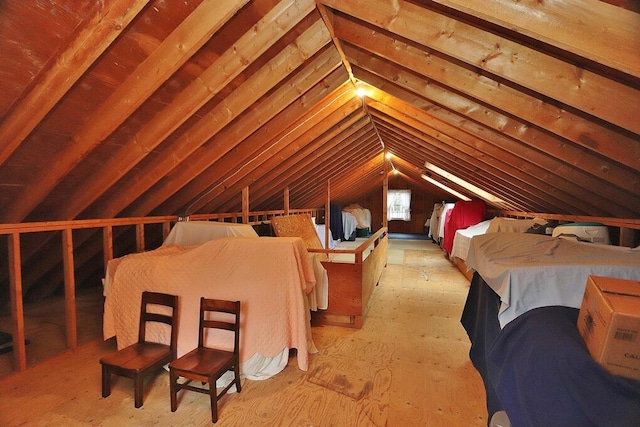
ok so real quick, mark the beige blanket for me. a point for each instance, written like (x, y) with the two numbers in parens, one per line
(270, 276)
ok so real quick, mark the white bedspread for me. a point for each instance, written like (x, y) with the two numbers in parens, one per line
(530, 270)
(270, 276)
(349, 224)
(320, 230)
(462, 239)
(188, 233)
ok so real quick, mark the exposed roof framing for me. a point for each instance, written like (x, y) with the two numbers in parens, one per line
(130, 108)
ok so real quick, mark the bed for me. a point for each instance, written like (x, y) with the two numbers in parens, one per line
(462, 238)
(520, 316)
(273, 288)
(351, 281)
(188, 233)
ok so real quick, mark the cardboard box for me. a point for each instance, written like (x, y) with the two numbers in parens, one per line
(609, 323)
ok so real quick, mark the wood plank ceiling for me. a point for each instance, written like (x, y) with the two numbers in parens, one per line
(137, 107)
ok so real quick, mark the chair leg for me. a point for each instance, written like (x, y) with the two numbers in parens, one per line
(236, 371)
(173, 380)
(213, 396)
(137, 390)
(106, 381)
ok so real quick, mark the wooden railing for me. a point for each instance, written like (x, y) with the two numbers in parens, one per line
(628, 235)
(358, 252)
(353, 283)
(14, 261)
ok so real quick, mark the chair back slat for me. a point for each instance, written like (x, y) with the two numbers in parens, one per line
(229, 323)
(217, 324)
(146, 316)
(157, 317)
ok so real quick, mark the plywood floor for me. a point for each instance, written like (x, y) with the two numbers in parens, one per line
(408, 366)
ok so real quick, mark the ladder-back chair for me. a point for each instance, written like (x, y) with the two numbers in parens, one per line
(206, 364)
(137, 359)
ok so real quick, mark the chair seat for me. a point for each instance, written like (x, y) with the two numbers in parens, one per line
(203, 361)
(138, 356)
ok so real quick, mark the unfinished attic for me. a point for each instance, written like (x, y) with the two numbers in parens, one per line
(145, 136)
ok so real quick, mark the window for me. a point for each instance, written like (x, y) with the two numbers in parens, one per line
(399, 205)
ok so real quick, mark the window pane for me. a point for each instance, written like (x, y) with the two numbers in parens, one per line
(399, 205)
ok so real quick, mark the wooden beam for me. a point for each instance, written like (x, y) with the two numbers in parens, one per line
(418, 120)
(327, 18)
(344, 134)
(354, 171)
(174, 51)
(95, 36)
(385, 191)
(258, 140)
(166, 229)
(339, 137)
(480, 90)
(248, 172)
(592, 29)
(236, 59)
(519, 64)
(573, 162)
(354, 152)
(287, 97)
(327, 216)
(565, 173)
(364, 178)
(467, 167)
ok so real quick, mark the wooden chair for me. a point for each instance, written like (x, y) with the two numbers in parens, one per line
(139, 358)
(206, 364)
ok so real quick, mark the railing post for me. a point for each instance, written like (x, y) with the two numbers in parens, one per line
(245, 205)
(107, 246)
(140, 246)
(166, 229)
(69, 289)
(17, 307)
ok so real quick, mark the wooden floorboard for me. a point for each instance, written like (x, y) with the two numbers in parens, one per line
(407, 366)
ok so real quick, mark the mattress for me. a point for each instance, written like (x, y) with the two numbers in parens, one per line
(462, 238)
(530, 270)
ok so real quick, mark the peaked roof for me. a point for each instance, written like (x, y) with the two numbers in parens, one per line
(136, 107)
